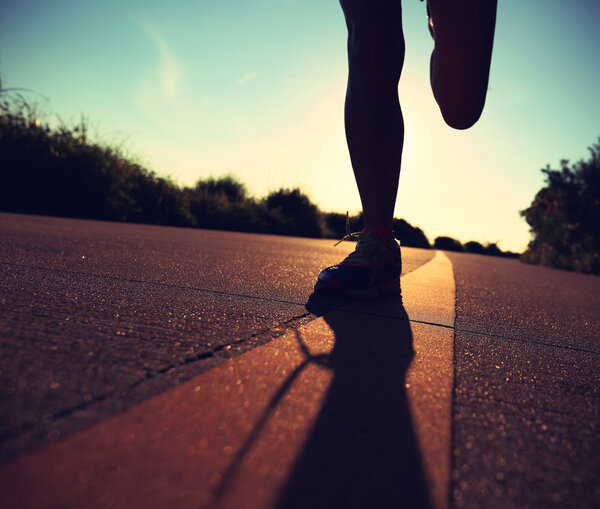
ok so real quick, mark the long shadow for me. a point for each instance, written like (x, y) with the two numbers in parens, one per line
(362, 451)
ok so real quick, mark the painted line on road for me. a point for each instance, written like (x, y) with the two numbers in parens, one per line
(431, 297)
(233, 436)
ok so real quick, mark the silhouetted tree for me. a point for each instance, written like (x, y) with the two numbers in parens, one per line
(223, 204)
(489, 249)
(511, 254)
(564, 217)
(301, 217)
(447, 244)
(408, 235)
(493, 249)
(474, 247)
(227, 186)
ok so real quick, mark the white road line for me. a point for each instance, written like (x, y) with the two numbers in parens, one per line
(429, 295)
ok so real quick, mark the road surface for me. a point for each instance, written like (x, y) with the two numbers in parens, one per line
(153, 364)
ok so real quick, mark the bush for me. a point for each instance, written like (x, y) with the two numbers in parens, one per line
(61, 172)
(298, 215)
(474, 247)
(564, 217)
(223, 204)
(447, 244)
(227, 187)
(492, 249)
(408, 235)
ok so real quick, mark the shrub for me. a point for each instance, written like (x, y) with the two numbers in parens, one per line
(299, 215)
(474, 247)
(61, 172)
(492, 249)
(564, 217)
(223, 204)
(447, 244)
(409, 235)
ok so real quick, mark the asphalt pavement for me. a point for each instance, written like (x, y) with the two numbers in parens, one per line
(101, 318)
(527, 386)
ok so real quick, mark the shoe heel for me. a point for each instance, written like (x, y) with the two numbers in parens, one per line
(392, 287)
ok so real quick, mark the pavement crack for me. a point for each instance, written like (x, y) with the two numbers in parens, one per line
(475, 332)
(528, 341)
(399, 318)
(224, 351)
(157, 283)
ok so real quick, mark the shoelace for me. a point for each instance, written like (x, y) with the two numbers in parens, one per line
(349, 235)
(367, 246)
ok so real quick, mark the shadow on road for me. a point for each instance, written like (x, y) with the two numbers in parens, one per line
(362, 450)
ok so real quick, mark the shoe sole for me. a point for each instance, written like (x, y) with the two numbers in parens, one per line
(373, 292)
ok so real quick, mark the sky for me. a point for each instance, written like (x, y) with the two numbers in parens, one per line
(255, 88)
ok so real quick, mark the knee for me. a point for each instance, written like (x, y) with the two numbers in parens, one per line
(374, 38)
(461, 119)
(460, 109)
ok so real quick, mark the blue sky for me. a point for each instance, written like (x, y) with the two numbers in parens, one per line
(255, 88)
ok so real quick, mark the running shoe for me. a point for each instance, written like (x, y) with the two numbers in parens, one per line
(372, 269)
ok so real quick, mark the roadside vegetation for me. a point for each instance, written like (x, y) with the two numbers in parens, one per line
(564, 217)
(63, 171)
(491, 248)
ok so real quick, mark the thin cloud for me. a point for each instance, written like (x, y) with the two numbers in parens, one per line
(246, 78)
(163, 82)
(169, 70)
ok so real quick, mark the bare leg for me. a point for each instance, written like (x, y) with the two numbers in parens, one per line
(374, 124)
(460, 63)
